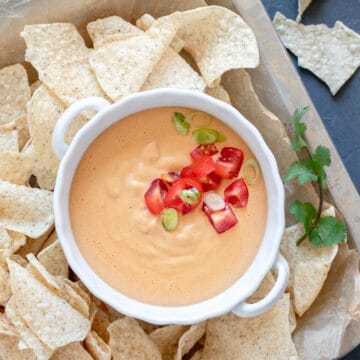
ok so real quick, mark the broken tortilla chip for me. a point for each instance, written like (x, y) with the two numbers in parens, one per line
(230, 337)
(58, 53)
(166, 339)
(25, 210)
(218, 92)
(219, 40)
(129, 341)
(189, 339)
(112, 28)
(14, 93)
(122, 67)
(10, 242)
(51, 318)
(302, 6)
(15, 167)
(54, 260)
(332, 54)
(97, 347)
(309, 266)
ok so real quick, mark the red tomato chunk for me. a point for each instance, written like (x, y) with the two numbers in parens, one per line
(221, 220)
(154, 196)
(237, 193)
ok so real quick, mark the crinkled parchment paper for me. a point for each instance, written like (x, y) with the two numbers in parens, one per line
(331, 326)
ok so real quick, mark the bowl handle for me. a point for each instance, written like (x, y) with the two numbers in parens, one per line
(58, 139)
(246, 310)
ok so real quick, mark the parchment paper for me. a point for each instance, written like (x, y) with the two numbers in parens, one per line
(320, 332)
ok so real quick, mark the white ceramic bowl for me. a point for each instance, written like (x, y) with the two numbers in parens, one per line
(233, 298)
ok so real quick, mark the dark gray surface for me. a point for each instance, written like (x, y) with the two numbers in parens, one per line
(341, 113)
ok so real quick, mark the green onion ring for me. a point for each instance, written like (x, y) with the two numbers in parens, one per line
(251, 163)
(169, 219)
(191, 119)
(190, 196)
(206, 136)
(180, 123)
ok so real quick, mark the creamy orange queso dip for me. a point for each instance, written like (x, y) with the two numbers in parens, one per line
(127, 246)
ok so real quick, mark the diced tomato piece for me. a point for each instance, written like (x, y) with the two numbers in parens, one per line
(201, 150)
(228, 165)
(173, 199)
(154, 196)
(221, 220)
(170, 177)
(199, 169)
(237, 193)
(210, 182)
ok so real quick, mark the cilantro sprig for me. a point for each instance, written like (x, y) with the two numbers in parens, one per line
(321, 231)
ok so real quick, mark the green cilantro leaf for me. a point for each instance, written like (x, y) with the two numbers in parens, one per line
(299, 128)
(304, 213)
(181, 125)
(328, 231)
(303, 170)
(320, 159)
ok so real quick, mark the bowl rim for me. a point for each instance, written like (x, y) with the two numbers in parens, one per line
(267, 253)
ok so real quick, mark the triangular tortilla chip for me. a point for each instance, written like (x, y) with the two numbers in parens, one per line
(309, 266)
(112, 28)
(14, 93)
(166, 339)
(54, 260)
(122, 67)
(51, 318)
(230, 337)
(58, 53)
(25, 210)
(332, 54)
(129, 341)
(218, 40)
(10, 242)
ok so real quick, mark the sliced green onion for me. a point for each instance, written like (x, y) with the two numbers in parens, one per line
(190, 196)
(199, 119)
(205, 136)
(181, 125)
(169, 219)
(251, 171)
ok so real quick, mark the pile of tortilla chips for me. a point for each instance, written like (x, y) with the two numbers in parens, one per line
(47, 313)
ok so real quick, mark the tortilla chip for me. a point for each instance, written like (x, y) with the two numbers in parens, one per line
(14, 93)
(58, 53)
(9, 349)
(172, 71)
(51, 239)
(309, 266)
(302, 6)
(28, 337)
(122, 67)
(21, 124)
(10, 242)
(189, 339)
(109, 29)
(129, 341)
(100, 324)
(53, 259)
(73, 351)
(218, 92)
(218, 40)
(166, 339)
(25, 210)
(15, 167)
(33, 246)
(97, 347)
(51, 318)
(5, 289)
(146, 21)
(332, 54)
(9, 140)
(231, 337)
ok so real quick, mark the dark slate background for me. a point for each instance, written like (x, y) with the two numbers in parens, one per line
(341, 113)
